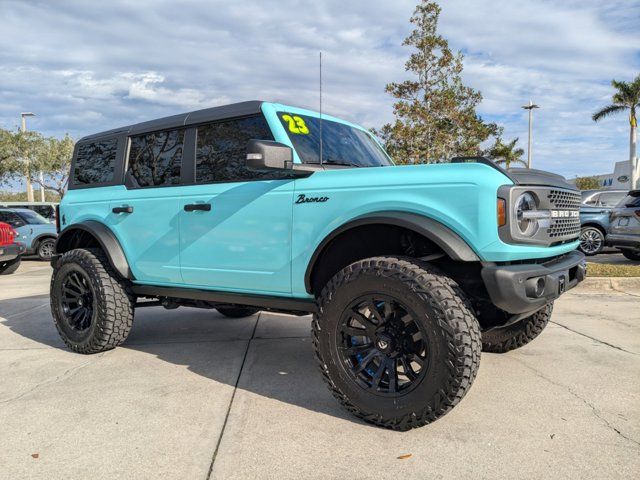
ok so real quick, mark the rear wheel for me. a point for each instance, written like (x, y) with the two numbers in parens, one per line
(631, 255)
(46, 249)
(505, 339)
(237, 312)
(591, 240)
(396, 342)
(92, 307)
(10, 266)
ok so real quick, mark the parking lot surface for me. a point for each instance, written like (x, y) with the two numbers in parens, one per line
(194, 395)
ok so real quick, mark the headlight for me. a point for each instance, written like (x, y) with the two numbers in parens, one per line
(525, 209)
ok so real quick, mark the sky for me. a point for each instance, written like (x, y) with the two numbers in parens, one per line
(88, 66)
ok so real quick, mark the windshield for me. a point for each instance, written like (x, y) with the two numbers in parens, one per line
(341, 144)
(33, 218)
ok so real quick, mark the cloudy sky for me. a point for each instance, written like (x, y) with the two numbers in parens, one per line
(88, 66)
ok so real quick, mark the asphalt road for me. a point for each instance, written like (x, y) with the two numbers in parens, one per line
(194, 395)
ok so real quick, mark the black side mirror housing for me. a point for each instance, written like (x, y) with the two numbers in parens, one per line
(269, 155)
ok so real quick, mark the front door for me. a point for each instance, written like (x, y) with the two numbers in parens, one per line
(235, 224)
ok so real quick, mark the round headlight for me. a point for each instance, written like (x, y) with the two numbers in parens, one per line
(527, 225)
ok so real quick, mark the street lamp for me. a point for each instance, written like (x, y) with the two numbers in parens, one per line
(530, 107)
(24, 116)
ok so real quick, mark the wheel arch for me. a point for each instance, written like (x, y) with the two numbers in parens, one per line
(91, 233)
(41, 237)
(441, 236)
(597, 225)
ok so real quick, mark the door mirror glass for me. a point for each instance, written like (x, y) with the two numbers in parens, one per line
(269, 155)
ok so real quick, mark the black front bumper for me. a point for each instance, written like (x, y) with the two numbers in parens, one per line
(9, 252)
(524, 288)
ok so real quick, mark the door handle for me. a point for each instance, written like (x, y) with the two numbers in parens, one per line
(125, 209)
(191, 207)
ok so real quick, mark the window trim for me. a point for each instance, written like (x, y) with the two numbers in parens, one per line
(118, 170)
(186, 161)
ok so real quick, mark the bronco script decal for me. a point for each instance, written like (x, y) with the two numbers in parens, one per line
(302, 198)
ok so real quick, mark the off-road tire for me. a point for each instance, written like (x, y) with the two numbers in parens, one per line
(502, 340)
(10, 266)
(631, 255)
(113, 307)
(42, 250)
(237, 312)
(454, 340)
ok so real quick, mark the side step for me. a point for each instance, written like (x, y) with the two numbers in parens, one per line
(296, 306)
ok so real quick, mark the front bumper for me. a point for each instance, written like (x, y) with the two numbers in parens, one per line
(623, 241)
(524, 288)
(9, 252)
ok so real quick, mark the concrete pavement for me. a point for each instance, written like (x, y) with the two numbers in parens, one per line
(194, 395)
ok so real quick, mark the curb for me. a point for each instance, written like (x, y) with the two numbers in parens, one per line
(631, 284)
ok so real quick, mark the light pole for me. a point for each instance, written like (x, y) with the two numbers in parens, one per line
(530, 107)
(24, 116)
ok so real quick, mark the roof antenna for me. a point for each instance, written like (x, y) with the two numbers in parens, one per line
(321, 108)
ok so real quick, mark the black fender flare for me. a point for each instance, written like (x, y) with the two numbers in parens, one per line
(105, 237)
(449, 241)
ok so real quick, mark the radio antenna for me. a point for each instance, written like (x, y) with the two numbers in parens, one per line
(321, 108)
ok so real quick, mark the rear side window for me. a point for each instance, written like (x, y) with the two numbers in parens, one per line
(630, 201)
(610, 199)
(221, 150)
(95, 162)
(155, 159)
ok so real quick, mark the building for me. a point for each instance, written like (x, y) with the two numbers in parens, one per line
(620, 179)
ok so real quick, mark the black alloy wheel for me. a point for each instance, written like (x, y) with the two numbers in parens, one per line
(77, 300)
(383, 347)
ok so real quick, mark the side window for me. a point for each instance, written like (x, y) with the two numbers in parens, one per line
(593, 200)
(221, 150)
(155, 158)
(95, 162)
(12, 219)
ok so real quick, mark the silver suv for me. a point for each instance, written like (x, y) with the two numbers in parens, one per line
(624, 226)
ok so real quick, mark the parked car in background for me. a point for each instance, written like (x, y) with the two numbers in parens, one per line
(594, 218)
(10, 250)
(46, 209)
(624, 226)
(36, 232)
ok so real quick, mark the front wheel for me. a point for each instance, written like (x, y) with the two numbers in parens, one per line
(10, 266)
(591, 240)
(92, 307)
(631, 255)
(505, 339)
(46, 249)
(396, 341)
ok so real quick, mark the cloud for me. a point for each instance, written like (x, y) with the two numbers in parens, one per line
(86, 66)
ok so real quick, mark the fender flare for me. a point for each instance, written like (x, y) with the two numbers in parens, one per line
(43, 235)
(107, 240)
(449, 241)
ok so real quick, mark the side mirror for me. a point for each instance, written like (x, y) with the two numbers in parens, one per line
(268, 155)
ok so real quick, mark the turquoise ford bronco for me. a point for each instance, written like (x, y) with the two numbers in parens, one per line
(409, 271)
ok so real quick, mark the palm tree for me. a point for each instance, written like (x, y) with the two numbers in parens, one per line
(627, 97)
(506, 153)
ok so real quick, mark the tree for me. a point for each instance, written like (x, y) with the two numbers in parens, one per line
(435, 113)
(506, 153)
(49, 155)
(627, 97)
(588, 183)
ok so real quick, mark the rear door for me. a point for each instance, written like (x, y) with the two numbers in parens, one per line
(143, 213)
(235, 224)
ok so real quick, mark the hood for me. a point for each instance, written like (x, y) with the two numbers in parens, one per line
(527, 176)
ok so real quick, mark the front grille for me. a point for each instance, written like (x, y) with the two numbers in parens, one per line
(564, 227)
(564, 199)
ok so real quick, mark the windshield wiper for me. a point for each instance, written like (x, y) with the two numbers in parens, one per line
(341, 162)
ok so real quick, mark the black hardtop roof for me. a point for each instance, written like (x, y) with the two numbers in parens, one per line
(183, 119)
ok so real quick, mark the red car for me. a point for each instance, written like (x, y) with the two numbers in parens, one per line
(10, 250)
